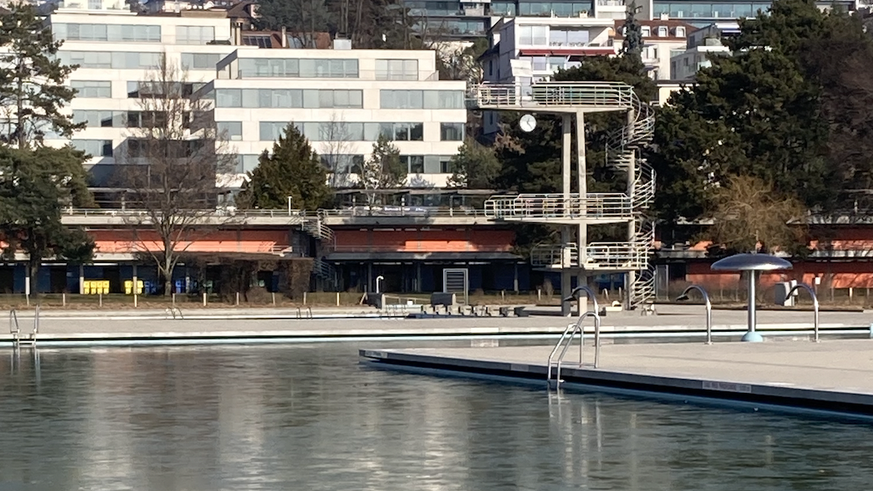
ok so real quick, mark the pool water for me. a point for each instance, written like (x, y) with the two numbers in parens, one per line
(311, 417)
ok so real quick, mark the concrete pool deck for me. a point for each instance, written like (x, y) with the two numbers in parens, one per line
(270, 324)
(833, 375)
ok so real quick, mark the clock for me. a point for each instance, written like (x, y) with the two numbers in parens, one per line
(527, 123)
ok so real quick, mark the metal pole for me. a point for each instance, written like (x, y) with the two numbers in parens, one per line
(289, 206)
(752, 335)
(596, 340)
(708, 321)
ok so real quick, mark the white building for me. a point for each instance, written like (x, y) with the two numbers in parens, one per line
(257, 91)
(342, 100)
(525, 50)
(702, 44)
(662, 39)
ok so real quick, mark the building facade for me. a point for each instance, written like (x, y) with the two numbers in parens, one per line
(342, 99)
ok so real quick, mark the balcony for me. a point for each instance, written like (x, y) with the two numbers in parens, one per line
(599, 256)
(561, 208)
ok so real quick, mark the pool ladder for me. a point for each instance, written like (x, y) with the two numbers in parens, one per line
(556, 357)
(20, 338)
(174, 313)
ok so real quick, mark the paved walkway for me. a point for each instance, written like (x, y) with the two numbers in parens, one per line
(835, 375)
(59, 324)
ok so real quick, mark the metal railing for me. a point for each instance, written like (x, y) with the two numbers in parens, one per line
(566, 340)
(815, 309)
(304, 314)
(174, 313)
(606, 95)
(559, 205)
(707, 305)
(19, 338)
(400, 211)
(555, 256)
(616, 255)
(217, 213)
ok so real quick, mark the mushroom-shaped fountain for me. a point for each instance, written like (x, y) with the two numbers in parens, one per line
(751, 263)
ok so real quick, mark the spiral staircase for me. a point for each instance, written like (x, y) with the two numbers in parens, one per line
(623, 154)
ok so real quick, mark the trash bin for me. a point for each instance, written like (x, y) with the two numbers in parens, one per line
(519, 312)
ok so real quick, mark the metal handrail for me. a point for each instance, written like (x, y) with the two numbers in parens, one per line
(14, 328)
(308, 314)
(171, 311)
(814, 305)
(566, 340)
(708, 305)
(592, 205)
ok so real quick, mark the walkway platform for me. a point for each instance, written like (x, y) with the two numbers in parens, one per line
(249, 325)
(834, 375)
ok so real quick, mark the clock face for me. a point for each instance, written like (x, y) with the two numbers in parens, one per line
(527, 123)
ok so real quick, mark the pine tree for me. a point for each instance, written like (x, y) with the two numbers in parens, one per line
(34, 185)
(383, 170)
(292, 169)
(633, 33)
(32, 78)
(474, 166)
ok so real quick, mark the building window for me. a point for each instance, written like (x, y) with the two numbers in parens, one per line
(646, 31)
(92, 88)
(680, 32)
(452, 132)
(195, 34)
(290, 98)
(662, 31)
(116, 33)
(246, 163)
(231, 130)
(146, 119)
(99, 119)
(343, 163)
(503, 9)
(297, 68)
(105, 59)
(421, 99)
(533, 35)
(414, 163)
(200, 61)
(94, 148)
(396, 69)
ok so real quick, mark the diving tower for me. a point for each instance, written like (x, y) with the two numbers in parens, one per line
(573, 210)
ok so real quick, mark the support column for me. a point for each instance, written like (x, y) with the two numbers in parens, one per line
(630, 278)
(369, 277)
(27, 282)
(566, 182)
(582, 187)
(133, 290)
(515, 278)
(81, 279)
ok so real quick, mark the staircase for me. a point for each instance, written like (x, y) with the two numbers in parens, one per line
(623, 154)
(325, 272)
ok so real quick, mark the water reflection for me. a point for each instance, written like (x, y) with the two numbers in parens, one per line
(311, 417)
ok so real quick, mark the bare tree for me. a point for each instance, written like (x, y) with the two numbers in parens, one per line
(751, 216)
(170, 165)
(336, 150)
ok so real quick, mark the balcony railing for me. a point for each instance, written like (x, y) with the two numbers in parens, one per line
(557, 206)
(608, 96)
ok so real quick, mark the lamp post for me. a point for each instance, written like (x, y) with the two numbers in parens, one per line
(708, 305)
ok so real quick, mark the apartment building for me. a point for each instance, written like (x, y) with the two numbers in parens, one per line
(662, 39)
(702, 44)
(525, 50)
(342, 100)
(257, 91)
